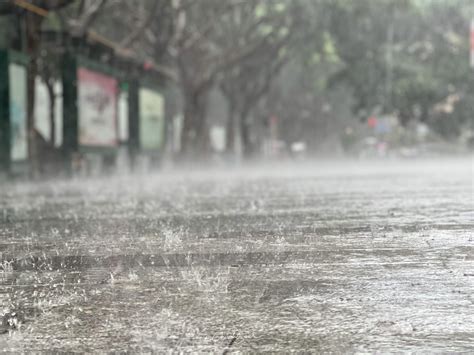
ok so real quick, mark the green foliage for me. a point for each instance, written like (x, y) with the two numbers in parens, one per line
(404, 58)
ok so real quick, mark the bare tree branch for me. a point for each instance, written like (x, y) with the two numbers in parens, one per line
(139, 30)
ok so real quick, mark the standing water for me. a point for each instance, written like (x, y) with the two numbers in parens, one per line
(328, 257)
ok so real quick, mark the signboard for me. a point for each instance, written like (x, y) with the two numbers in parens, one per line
(18, 106)
(383, 126)
(97, 108)
(372, 121)
(217, 137)
(152, 119)
(43, 108)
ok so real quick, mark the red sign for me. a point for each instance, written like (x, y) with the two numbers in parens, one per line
(273, 120)
(372, 121)
(147, 65)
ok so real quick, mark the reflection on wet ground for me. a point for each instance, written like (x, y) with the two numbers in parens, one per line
(342, 258)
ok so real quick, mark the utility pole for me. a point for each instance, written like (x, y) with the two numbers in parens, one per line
(389, 65)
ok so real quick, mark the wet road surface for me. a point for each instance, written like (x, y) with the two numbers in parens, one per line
(342, 257)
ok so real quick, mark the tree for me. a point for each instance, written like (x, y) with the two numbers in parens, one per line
(245, 83)
(405, 58)
(202, 54)
(195, 51)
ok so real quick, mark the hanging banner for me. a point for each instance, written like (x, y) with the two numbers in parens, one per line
(152, 119)
(18, 104)
(97, 106)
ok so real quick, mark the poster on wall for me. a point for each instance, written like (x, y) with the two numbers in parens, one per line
(42, 108)
(152, 119)
(18, 102)
(43, 114)
(97, 105)
(217, 138)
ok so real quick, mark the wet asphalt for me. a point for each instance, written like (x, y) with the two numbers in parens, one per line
(322, 257)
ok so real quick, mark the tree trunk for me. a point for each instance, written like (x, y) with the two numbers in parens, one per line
(195, 135)
(245, 129)
(33, 28)
(230, 131)
(52, 111)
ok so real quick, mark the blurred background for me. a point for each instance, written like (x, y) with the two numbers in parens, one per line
(94, 86)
